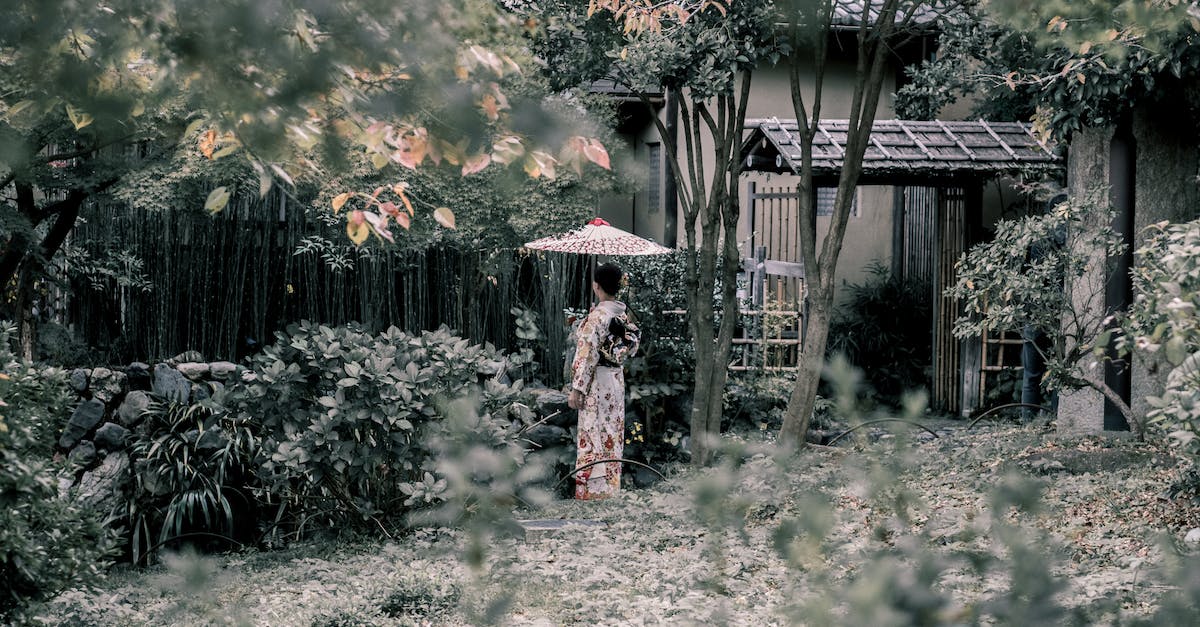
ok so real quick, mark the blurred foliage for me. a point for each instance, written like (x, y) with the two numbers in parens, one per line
(1163, 324)
(1065, 65)
(47, 543)
(882, 327)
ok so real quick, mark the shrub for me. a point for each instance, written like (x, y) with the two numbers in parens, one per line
(883, 328)
(47, 544)
(660, 377)
(195, 465)
(346, 416)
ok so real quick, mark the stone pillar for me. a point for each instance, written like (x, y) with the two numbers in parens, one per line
(1167, 164)
(1088, 169)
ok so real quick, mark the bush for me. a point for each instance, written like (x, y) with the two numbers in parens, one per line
(195, 466)
(47, 544)
(661, 375)
(883, 329)
(346, 417)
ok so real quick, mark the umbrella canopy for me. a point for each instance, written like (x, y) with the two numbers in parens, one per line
(598, 237)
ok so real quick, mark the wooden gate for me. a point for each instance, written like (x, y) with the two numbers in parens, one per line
(774, 292)
(935, 235)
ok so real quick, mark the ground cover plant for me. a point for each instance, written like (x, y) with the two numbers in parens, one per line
(1008, 525)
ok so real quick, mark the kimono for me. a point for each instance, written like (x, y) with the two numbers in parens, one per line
(602, 415)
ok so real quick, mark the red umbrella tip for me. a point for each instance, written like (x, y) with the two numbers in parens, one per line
(599, 222)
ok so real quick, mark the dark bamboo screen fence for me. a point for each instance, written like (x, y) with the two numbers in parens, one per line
(218, 280)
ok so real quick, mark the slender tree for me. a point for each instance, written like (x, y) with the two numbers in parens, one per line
(877, 26)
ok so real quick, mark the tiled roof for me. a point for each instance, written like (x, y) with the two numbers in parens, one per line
(904, 147)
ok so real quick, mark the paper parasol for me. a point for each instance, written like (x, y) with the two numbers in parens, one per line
(598, 237)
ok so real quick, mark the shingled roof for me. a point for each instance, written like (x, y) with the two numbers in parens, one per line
(904, 149)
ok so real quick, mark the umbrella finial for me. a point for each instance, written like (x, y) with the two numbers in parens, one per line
(599, 222)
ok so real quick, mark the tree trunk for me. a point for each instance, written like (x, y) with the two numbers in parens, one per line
(26, 323)
(800, 405)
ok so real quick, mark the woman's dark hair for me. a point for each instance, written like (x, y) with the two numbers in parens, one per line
(608, 276)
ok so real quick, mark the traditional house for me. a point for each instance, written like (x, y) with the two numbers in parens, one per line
(927, 192)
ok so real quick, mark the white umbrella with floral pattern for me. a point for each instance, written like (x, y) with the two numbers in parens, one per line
(598, 237)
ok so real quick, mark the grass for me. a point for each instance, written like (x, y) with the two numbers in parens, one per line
(756, 541)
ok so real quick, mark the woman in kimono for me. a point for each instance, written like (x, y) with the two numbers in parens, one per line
(607, 337)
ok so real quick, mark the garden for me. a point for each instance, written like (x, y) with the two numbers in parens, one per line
(282, 341)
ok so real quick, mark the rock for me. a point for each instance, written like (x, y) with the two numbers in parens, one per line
(153, 483)
(550, 401)
(87, 415)
(131, 409)
(644, 478)
(103, 489)
(111, 437)
(193, 370)
(200, 392)
(107, 384)
(170, 384)
(548, 436)
(185, 357)
(1193, 536)
(222, 370)
(211, 440)
(139, 376)
(79, 380)
(84, 453)
(532, 529)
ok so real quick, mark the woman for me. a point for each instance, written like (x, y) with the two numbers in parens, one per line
(607, 337)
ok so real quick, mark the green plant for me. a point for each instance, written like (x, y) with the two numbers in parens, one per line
(47, 543)
(1046, 272)
(756, 400)
(190, 460)
(659, 378)
(882, 327)
(1163, 322)
(346, 416)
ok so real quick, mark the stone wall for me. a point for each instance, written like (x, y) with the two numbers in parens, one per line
(112, 404)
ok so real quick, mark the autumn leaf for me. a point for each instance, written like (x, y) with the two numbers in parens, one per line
(507, 150)
(403, 220)
(208, 141)
(539, 163)
(79, 118)
(217, 199)
(476, 163)
(379, 160)
(444, 217)
(356, 228)
(340, 200)
(490, 107)
(596, 153)
(379, 226)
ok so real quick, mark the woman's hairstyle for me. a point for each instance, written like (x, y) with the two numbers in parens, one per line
(608, 276)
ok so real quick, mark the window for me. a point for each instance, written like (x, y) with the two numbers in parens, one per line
(825, 198)
(654, 185)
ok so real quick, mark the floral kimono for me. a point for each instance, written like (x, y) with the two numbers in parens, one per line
(598, 375)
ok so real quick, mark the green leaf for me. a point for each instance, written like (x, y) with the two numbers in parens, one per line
(217, 200)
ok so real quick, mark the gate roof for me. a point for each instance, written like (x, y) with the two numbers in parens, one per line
(904, 152)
